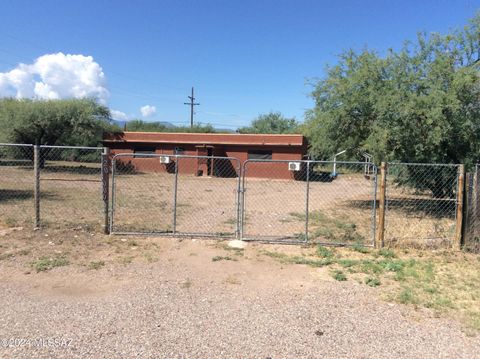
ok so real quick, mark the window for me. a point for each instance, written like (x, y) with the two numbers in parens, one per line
(142, 150)
(259, 155)
(179, 150)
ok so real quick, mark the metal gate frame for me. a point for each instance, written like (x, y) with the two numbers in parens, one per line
(175, 232)
(369, 167)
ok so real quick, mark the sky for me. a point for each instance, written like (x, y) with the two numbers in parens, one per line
(244, 58)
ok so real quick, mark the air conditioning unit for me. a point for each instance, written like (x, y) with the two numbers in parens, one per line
(294, 166)
(164, 159)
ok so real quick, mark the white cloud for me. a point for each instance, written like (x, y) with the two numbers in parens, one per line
(54, 76)
(148, 110)
(118, 115)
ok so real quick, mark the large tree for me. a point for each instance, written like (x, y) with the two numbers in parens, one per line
(74, 122)
(273, 122)
(420, 104)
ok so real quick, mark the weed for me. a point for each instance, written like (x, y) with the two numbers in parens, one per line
(126, 260)
(324, 252)
(358, 247)
(339, 275)
(186, 284)
(387, 253)
(46, 263)
(372, 281)
(23, 252)
(233, 280)
(284, 258)
(407, 296)
(6, 256)
(393, 266)
(222, 258)
(347, 263)
(132, 243)
(96, 265)
(371, 267)
(150, 257)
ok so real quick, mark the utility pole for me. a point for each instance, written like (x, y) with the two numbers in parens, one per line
(191, 104)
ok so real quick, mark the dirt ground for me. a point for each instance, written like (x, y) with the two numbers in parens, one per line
(340, 211)
(82, 294)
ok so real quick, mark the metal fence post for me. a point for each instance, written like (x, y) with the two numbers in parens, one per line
(374, 207)
(379, 238)
(307, 201)
(457, 245)
(175, 187)
(242, 199)
(36, 187)
(238, 201)
(106, 188)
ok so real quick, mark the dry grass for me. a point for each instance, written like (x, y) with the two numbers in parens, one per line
(445, 282)
(340, 210)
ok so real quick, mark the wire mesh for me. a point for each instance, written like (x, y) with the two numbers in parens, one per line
(70, 187)
(274, 200)
(342, 203)
(16, 185)
(421, 204)
(207, 196)
(181, 195)
(142, 194)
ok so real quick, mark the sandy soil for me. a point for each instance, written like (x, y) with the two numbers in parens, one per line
(168, 298)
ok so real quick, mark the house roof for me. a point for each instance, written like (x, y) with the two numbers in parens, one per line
(206, 138)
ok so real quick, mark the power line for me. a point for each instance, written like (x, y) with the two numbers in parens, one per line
(191, 104)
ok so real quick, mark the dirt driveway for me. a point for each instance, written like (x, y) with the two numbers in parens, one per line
(114, 297)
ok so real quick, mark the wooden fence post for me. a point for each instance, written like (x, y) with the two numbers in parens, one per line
(36, 186)
(457, 244)
(379, 237)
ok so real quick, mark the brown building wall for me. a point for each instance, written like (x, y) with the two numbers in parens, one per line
(222, 168)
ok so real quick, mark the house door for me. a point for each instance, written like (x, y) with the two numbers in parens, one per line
(205, 162)
(210, 161)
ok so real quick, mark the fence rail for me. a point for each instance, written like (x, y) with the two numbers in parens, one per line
(328, 202)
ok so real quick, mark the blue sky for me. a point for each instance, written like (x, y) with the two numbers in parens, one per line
(243, 57)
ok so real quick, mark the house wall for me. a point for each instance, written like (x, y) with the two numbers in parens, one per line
(217, 167)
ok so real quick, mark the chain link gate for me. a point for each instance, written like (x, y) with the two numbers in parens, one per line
(421, 204)
(317, 201)
(175, 195)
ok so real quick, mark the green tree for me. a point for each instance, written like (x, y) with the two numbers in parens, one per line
(74, 122)
(273, 122)
(419, 104)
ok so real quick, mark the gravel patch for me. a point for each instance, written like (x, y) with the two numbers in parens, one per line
(187, 306)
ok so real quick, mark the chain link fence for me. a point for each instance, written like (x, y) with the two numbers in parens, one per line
(268, 200)
(174, 194)
(322, 202)
(16, 185)
(421, 204)
(51, 186)
(274, 200)
(342, 203)
(70, 187)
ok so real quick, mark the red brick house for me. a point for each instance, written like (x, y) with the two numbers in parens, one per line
(242, 146)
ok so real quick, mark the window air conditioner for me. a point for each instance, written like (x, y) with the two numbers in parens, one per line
(164, 159)
(294, 166)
